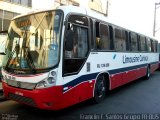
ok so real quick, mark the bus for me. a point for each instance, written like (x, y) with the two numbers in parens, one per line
(58, 58)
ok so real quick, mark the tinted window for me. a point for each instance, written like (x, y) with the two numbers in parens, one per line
(156, 46)
(80, 43)
(92, 34)
(148, 44)
(76, 44)
(120, 40)
(152, 46)
(142, 43)
(80, 20)
(103, 41)
(134, 43)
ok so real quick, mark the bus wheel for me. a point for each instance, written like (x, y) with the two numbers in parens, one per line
(148, 73)
(100, 89)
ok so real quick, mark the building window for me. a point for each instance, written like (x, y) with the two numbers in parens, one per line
(16, 1)
(7, 16)
(27, 3)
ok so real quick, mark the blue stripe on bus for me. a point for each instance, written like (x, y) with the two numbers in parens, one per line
(120, 70)
(94, 75)
(81, 79)
(128, 68)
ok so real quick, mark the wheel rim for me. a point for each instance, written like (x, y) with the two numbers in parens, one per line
(100, 88)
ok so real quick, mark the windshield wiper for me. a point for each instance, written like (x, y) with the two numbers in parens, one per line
(9, 59)
(27, 55)
(29, 60)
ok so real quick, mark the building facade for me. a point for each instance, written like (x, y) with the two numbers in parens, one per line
(12, 8)
(100, 6)
(67, 2)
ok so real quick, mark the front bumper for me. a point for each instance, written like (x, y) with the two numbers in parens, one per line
(48, 98)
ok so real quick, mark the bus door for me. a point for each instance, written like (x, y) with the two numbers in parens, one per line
(3, 38)
(76, 49)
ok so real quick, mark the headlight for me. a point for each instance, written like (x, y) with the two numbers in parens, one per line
(48, 82)
(41, 84)
(51, 80)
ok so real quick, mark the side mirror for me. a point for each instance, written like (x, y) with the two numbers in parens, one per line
(69, 40)
(3, 38)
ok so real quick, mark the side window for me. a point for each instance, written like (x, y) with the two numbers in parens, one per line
(102, 40)
(104, 37)
(148, 44)
(142, 43)
(124, 39)
(134, 42)
(76, 44)
(82, 42)
(152, 46)
(120, 40)
(159, 49)
(128, 43)
(156, 46)
(117, 39)
(92, 34)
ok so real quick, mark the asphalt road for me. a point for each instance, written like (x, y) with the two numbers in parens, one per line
(139, 99)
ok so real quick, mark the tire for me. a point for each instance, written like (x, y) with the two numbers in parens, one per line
(148, 73)
(100, 89)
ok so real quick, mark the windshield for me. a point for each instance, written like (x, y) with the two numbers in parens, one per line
(33, 42)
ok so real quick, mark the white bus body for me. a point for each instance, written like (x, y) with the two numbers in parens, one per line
(48, 78)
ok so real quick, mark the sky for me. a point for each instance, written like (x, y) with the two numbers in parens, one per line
(137, 15)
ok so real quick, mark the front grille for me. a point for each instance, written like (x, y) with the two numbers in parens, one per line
(26, 100)
(24, 85)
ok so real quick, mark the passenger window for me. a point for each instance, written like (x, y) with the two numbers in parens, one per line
(92, 34)
(156, 46)
(80, 43)
(143, 43)
(102, 39)
(148, 45)
(76, 44)
(134, 42)
(152, 46)
(120, 40)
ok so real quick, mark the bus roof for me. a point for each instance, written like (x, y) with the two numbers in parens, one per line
(84, 11)
(70, 9)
